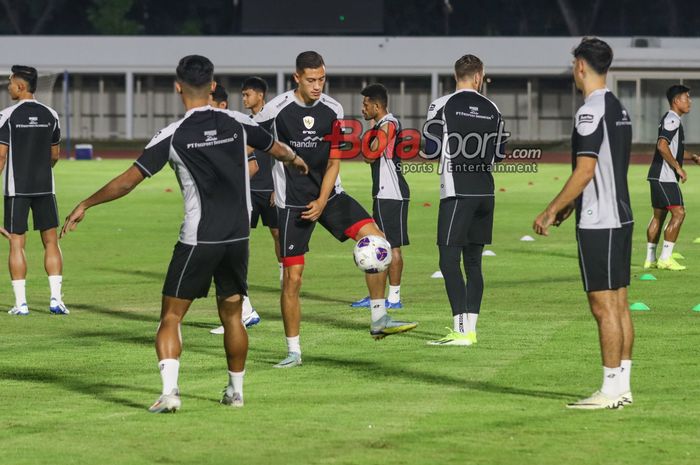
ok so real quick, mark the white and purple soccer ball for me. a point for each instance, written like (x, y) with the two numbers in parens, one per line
(372, 254)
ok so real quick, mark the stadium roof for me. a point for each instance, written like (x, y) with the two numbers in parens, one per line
(343, 55)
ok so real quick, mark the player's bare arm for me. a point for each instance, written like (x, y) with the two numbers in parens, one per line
(284, 153)
(253, 168)
(374, 145)
(3, 156)
(55, 154)
(579, 179)
(316, 207)
(665, 151)
(116, 188)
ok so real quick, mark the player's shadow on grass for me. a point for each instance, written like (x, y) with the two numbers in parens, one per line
(377, 370)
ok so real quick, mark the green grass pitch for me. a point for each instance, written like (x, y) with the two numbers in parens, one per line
(74, 390)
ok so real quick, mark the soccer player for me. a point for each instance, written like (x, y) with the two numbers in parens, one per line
(207, 151)
(465, 218)
(389, 188)
(301, 118)
(664, 173)
(219, 99)
(30, 137)
(597, 190)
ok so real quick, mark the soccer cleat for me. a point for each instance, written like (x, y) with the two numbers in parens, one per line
(472, 336)
(58, 308)
(669, 264)
(626, 398)
(453, 338)
(597, 401)
(293, 360)
(217, 330)
(648, 265)
(167, 403)
(393, 305)
(386, 326)
(250, 320)
(361, 303)
(233, 400)
(22, 310)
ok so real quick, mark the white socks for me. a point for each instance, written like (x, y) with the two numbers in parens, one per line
(611, 379)
(667, 250)
(626, 371)
(18, 285)
(235, 382)
(394, 294)
(169, 369)
(378, 308)
(471, 321)
(281, 272)
(55, 285)
(459, 323)
(293, 344)
(651, 252)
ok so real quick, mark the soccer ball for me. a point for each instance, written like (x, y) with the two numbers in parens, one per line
(372, 254)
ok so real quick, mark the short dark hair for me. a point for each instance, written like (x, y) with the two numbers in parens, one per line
(27, 74)
(255, 83)
(597, 53)
(377, 93)
(674, 91)
(467, 66)
(309, 60)
(195, 70)
(219, 95)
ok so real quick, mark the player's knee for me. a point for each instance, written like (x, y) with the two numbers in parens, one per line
(292, 282)
(678, 213)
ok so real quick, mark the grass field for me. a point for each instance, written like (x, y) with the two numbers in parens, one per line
(75, 389)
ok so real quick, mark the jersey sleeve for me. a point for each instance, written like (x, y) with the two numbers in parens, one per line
(251, 156)
(257, 137)
(433, 129)
(56, 135)
(589, 132)
(669, 127)
(501, 141)
(4, 129)
(155, 155)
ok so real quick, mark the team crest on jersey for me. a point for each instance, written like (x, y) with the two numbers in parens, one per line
(308, 121)
(210, 135)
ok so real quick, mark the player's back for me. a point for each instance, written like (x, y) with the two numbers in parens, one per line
(29, 128)
(603, 129)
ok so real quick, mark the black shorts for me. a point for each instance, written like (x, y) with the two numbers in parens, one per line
(392, 218)
(44, 213)
(262, 210)
(604, 256)
(193, 267)
(341, 215)
(665, 194)
(465, 220)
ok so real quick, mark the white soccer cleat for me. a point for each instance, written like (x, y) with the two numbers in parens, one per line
(167, 403)
(251, 319)
(22, 310)
(218, 330)
(234, 399)
(597, 401)
(626, 398)
(58, 308)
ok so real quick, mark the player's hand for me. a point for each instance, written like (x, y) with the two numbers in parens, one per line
(681, 173)
(4, 232)
(299, 164)
(272, 199)
(72, 220)
(564, 214)
(314, 211)
(542, 223)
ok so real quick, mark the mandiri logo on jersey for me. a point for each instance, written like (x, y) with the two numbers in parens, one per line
(308, 121)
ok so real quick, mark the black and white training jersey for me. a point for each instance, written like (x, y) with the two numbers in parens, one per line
(301, 127)
(387, 179)
(29, 129)
(603, 129)
(207, 151)
(262, 180)
(462, 128)
(671, 129)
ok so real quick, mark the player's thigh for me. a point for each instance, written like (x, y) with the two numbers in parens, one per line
(191, 270)
(294, 232)
(392, 218)
(45, 212)
(343, 217)
(17, 214)
(231, 273)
